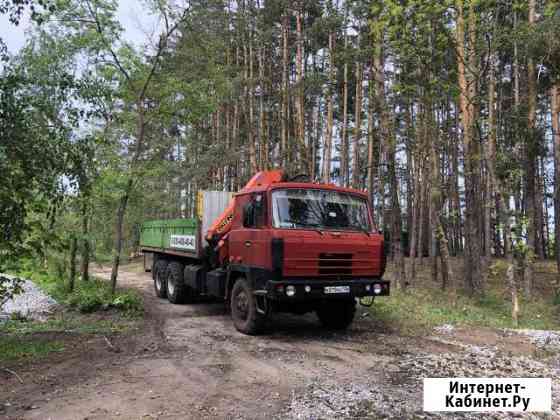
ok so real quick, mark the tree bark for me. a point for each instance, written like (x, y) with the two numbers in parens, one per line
(327, 149)
(357, 127)
(372, 162)
(73, 249)
(300, 103)
(388, 134)
(530, 155)
(466, 63)
(555, 111)
(263, 139)
(85, 239)
(344, 164)
(285, 118)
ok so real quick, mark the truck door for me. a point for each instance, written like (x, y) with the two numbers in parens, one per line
(251, 242)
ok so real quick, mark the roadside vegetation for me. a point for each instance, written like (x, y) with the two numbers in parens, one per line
(23, 340)
(418, 309)
(86, 308)
(85, 296)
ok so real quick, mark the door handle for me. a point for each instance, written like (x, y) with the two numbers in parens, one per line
(247, 243)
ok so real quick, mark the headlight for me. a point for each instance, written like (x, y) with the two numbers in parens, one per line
(377, 289)
(290, 291)
(368, 287)
(308, 289)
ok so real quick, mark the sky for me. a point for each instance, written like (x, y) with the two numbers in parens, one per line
(136, 22)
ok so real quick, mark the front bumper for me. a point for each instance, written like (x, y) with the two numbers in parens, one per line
(315, 289)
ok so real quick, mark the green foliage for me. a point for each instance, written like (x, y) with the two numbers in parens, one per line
(9, 288)
(22, 339)
(96, 295)
(16, 8)
(65, 323)
(17, 348)
(87, 297)
(31, 158)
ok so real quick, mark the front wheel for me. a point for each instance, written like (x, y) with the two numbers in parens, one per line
(337, 315)
(244, 312)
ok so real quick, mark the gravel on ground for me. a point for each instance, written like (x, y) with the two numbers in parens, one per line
(32, 303)
(401, 395)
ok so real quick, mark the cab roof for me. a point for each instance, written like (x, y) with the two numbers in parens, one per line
(301, 185)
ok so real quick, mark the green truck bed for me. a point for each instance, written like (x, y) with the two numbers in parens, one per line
(181, 235)
(184, 236)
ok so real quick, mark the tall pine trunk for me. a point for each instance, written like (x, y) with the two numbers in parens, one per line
(357, 128)
(344, 164)
(285, 118)
(327, 149)
(388, 134)
(555, 116)
(466, 64)
(303, 156)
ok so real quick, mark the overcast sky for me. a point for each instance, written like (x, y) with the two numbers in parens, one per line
(132, 15)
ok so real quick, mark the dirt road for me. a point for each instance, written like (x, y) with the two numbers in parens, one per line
(188, 361)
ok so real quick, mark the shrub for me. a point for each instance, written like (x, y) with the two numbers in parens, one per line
(129, 302)
(87, 296)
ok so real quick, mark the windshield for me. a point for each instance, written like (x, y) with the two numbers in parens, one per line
(325, 209)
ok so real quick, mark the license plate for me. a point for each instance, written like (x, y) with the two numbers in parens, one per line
(337, 289)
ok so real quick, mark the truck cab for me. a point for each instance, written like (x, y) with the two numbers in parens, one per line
(301, 247)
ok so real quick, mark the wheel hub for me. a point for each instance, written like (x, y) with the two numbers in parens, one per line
(170, 285)
(242, 304)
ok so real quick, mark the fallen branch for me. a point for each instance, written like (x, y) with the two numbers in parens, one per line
(111, 346)
(109, 343)
(12, 372)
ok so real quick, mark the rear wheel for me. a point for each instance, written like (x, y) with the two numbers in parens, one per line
(175, 283)
(244, 312)
(160, 278)
(337, 315)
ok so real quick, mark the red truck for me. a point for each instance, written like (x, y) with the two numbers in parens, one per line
(279, 246)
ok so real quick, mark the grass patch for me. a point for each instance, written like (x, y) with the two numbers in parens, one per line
(64, 325)
(87, 296)
(21, 339)
(17, 347)
(420, 309)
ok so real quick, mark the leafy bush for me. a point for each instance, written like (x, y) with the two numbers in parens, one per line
(9, 287)
(87, 296)
(129, 302)
(96, 295)
(84, 300)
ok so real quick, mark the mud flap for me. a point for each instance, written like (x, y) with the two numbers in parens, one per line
(262, 302)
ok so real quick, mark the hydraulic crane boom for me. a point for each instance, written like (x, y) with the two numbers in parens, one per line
(222, 224)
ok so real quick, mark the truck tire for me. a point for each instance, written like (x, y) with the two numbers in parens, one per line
(244, 312)
(160, 278)
(176, 288)
(337, 315)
